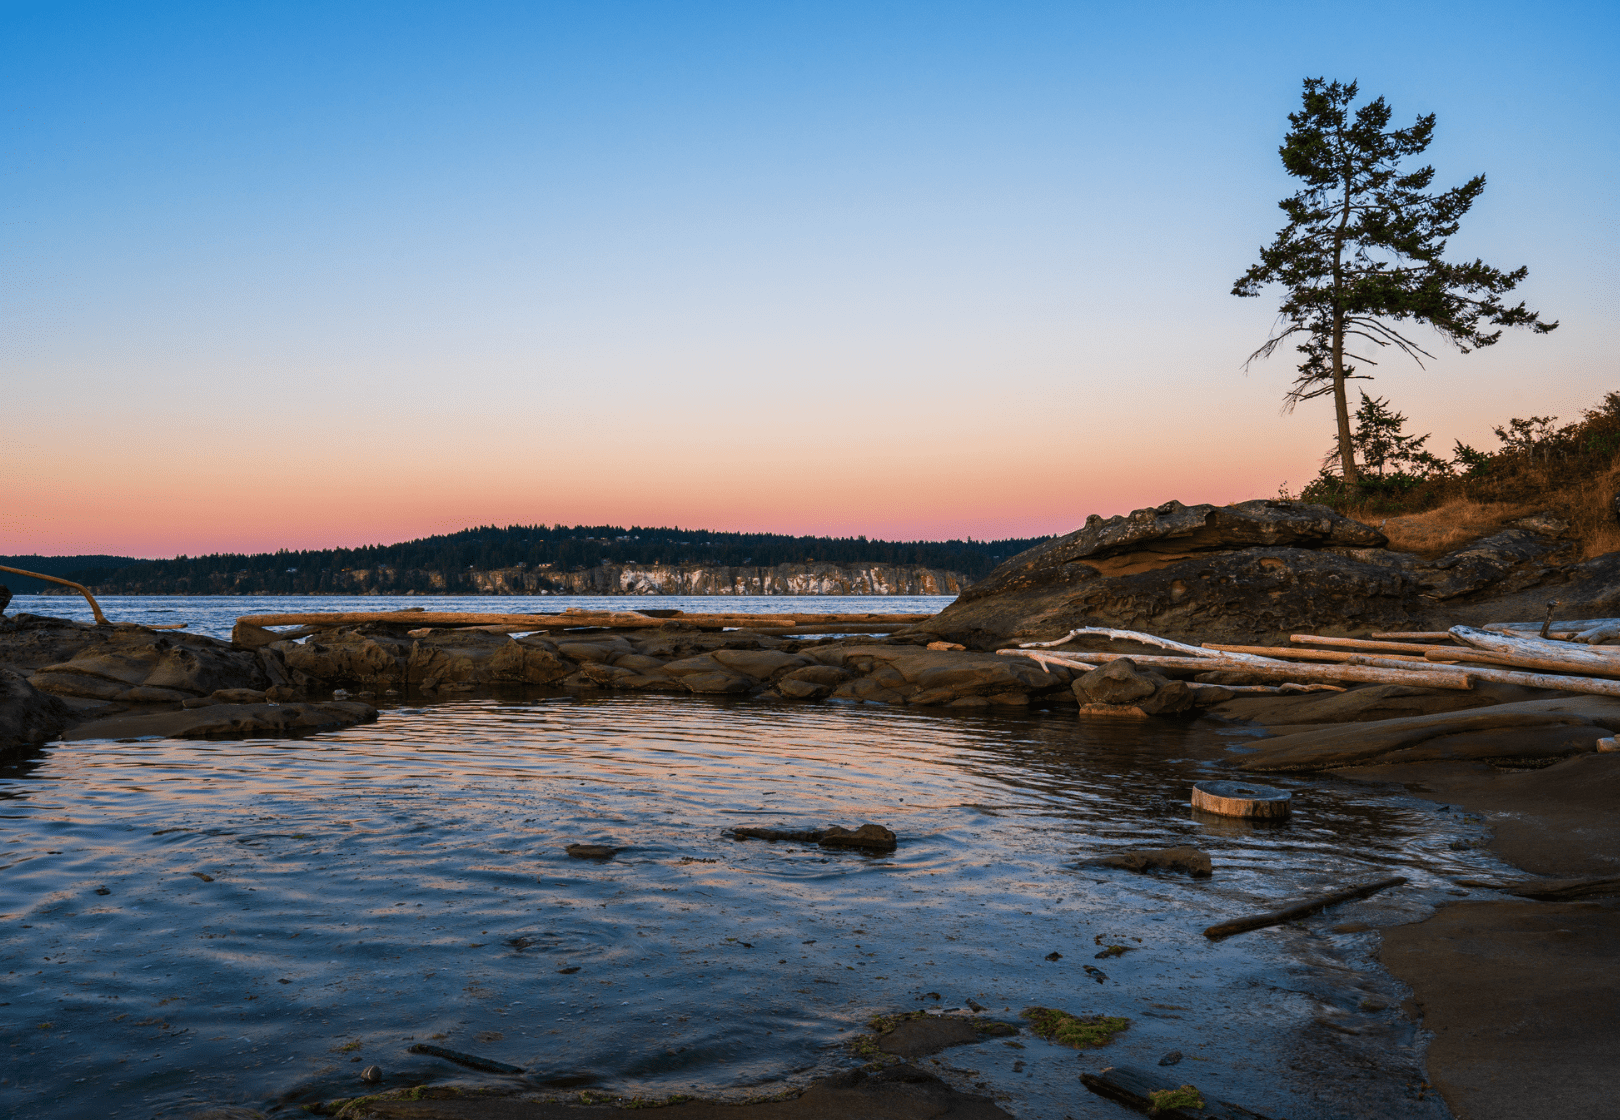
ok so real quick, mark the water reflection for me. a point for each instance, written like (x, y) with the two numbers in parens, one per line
(193, 923)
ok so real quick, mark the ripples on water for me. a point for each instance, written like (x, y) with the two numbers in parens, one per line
(406, 882)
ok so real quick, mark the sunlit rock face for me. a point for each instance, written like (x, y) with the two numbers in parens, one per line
(1259, 571)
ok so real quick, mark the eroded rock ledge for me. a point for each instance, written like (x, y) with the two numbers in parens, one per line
(1254, 572)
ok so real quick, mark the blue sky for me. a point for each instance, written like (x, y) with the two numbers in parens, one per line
(901, 269)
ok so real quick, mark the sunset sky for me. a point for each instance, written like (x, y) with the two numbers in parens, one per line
(303, 274)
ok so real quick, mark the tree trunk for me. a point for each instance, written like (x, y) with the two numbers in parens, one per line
(1341, 404)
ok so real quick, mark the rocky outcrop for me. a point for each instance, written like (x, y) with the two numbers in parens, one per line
(1255, 572)
(129, 664)
(1536, 729)
(28, 716)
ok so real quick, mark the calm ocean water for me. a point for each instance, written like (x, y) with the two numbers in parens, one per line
(197, 924)
(216, 614)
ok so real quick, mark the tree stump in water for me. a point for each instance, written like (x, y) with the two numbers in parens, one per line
(1241, 799)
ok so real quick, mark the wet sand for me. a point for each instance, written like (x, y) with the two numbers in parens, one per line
(1523, 997)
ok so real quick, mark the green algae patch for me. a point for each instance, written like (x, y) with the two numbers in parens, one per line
(1079, 1031)
(1186, 1096)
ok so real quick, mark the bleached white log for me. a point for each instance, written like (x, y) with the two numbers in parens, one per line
(1121, 636)
(1540, 650)
(1286, 670)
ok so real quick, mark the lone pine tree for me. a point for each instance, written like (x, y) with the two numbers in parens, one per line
(1362, 252)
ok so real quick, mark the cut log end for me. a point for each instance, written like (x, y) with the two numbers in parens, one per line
(1242, 799)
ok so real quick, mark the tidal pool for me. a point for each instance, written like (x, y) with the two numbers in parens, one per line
(191, 924)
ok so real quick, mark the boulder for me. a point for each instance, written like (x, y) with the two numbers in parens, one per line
(28, 716)
(1122, 683)
(1118, 682)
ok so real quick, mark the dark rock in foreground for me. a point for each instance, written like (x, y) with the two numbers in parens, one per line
(868, 837)
(28, 716)
(1191, 860)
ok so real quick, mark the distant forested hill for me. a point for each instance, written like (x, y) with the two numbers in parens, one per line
(413, 565)
(55, 566)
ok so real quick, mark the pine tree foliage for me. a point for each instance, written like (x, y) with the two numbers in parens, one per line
(1362, 256)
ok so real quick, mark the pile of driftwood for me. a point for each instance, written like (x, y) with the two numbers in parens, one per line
(576, 619)
(1504, 653)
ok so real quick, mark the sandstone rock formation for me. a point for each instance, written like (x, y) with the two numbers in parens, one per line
(1257, 571)
(28, 716)
(125, 663)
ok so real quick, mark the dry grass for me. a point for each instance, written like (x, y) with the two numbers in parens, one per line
(1437, 531)
(1588, 506)
(1592, 513)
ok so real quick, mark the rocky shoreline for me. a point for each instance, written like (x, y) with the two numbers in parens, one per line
(1518, 990)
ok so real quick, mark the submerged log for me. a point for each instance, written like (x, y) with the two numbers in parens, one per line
(471, 1061)
(1136, 1088)
(1299, 909)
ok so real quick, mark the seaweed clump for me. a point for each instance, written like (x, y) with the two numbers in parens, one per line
(1079, 1031)
(1185, 1096)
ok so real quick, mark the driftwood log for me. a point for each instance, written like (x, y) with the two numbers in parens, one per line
(1268, 669)
(1241, 799)
(95, 608)
(1363, 643)
(1289, 653)
(1578, 658)
(1299, 909)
